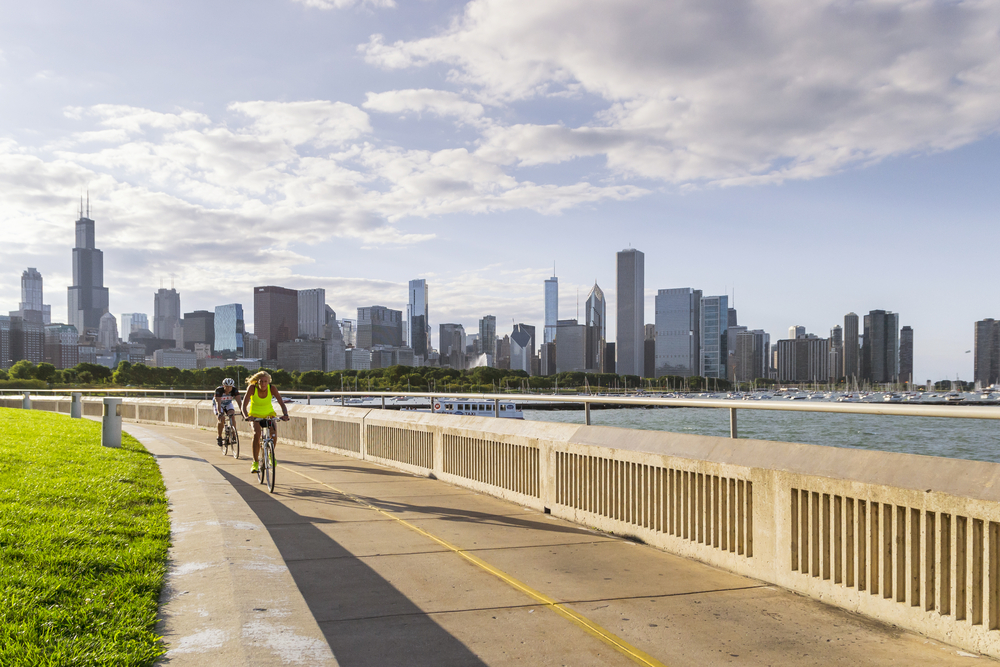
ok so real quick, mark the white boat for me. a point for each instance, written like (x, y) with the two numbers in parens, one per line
(474, 408)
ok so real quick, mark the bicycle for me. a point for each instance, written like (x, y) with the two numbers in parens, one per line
(265, 469)
(231, 438)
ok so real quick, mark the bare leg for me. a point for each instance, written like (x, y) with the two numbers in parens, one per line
(256, 441)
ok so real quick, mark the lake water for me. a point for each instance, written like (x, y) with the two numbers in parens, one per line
(975, 439)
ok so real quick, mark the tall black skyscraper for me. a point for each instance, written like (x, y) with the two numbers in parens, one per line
(880, 349)
(88, 297)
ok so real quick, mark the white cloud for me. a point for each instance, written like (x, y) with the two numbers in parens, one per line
(319, 122)
(344, 4)
(438, 102)
(726, 92)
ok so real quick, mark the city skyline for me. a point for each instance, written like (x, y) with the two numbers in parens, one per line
(367, 147)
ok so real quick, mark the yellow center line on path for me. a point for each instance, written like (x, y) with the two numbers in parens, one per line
(560, 608)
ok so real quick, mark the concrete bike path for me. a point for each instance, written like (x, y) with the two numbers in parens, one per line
(397, 569)
(229, 599)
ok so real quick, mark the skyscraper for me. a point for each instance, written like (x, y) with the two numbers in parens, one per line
(795, 331)
(451, 339)
(678, 332)
(229, 329)
(275, 316)
(906, 354)
(714, 342)
(836, 352)
(378, 325)
(851, 356)
(312, 312)
(986, 362)
(528, 330)
(631, 321)
(131, 322)
(417, 306)
(488, 336)
(880, 349)
(595, 318)
(107, 332)
(87, 297)
(199, 327)
(166, 312)
(551, 309)
(31, 308)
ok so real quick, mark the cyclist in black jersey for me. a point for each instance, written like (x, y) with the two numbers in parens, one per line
(223, 403)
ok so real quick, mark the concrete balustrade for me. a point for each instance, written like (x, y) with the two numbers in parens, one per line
(906, 539)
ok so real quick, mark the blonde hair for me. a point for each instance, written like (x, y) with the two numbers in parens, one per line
(258, 375)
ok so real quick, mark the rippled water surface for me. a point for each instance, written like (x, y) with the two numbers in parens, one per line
(976, 439)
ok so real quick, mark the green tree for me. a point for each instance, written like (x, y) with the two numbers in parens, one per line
(311, 379)
(122, 375)
(22, 370)
(45, 372)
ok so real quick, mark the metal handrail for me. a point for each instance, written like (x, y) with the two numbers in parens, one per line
(895, 409)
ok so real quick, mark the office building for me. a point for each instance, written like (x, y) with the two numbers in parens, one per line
(132, 322)
(986, 359)
(488, 338)
(107, 332)
(795, 331)
(608, 362)
(31, 307)
(452, 343)
(175, 358)
(732, 319)
(166, 312)
(333, 347)
(349, 329)
(254, 347)
(199, 328)
(805, 359)
(731, 333)
(880, 349)
(852, 349)
(520, 350)
(229, 330)
(530, 331)
(836, 352)
(751, 352)
(649, 352)
(311, 312)
(714, 344)
(595, 319)
(87, 297)
(419, 333)
(551, 309)
(275, 316)
(631, 320)
(300, 355)
(21, 339)
(571, 352)
(61, 345)
(379, 326)
(906, 354)
(678, 332)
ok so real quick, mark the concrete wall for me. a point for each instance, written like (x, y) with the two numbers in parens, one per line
(911, 540)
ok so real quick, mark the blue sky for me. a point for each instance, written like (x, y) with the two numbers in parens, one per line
(808, 158)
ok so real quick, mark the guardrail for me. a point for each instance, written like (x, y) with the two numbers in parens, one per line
(910, 540)
(953, 411)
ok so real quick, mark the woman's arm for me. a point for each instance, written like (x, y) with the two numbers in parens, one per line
(281, 402)
(243, 405)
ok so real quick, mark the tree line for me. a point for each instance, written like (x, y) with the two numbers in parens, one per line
(27, 375)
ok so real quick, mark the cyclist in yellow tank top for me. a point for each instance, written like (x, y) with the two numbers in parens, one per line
(257, 405)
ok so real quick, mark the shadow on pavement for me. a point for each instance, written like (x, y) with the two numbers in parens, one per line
(365, 619)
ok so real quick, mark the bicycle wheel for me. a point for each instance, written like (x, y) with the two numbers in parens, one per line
(225, 441)
(235, 444)
(269, 470)
(262, 462)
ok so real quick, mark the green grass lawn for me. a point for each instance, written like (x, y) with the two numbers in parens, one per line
(83, 544)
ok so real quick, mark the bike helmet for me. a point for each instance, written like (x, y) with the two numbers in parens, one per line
(228, 382)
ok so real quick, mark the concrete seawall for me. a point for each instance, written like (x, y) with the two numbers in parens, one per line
(909, 540)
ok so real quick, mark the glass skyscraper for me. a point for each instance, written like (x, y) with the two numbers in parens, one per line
(714, 343)
(678, 332)
(551, 309)
(417, 306)
(229, 329)
(312, 312)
